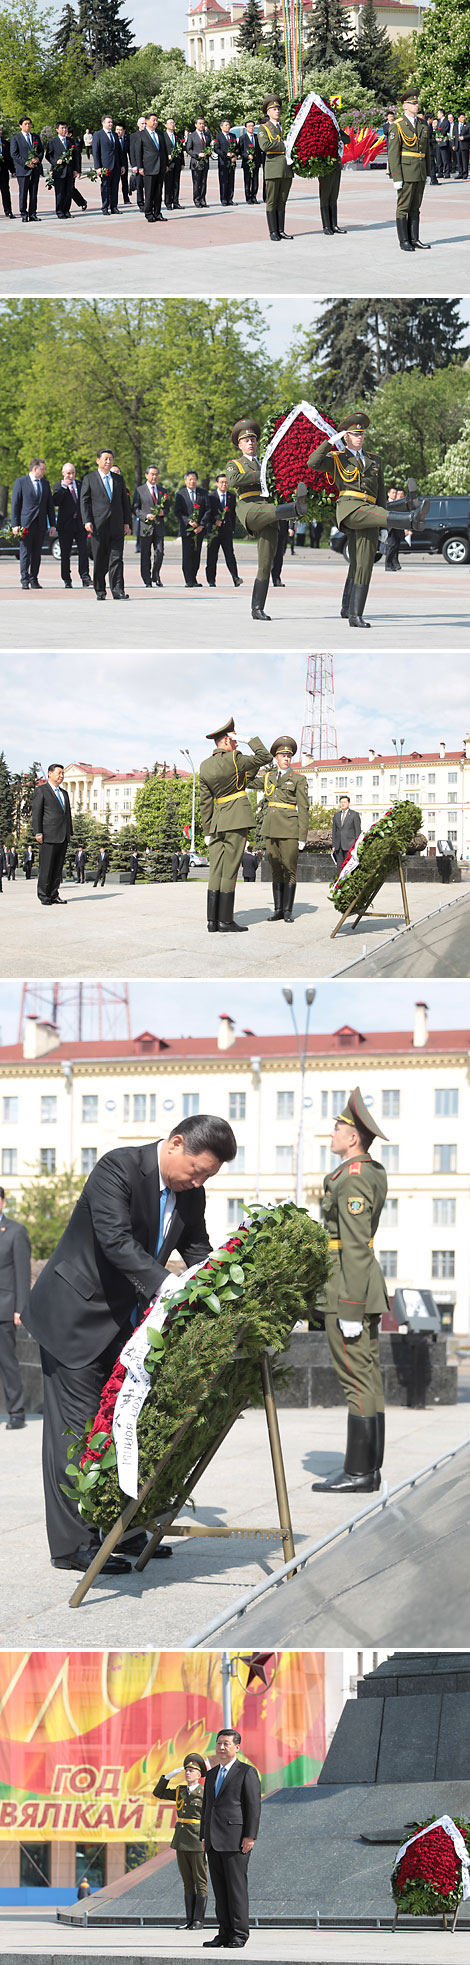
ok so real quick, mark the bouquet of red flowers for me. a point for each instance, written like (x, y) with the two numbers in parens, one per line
(314, 139)
(430, 1874)
(158, 512)
(287, 464)
(194, 521)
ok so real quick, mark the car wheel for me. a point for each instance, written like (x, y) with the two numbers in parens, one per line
(55, 549)
(456, 551)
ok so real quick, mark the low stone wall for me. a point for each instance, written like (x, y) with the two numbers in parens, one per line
(319, 866)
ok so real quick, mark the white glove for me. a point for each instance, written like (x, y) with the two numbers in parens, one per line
(302, 843)
(207, 838)
(428, 180)
(349, 1330)
(398, 182)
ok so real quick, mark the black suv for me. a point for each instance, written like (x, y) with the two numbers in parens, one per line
(446, 530)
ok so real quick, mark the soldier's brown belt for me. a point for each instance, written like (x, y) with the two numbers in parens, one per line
(338, 1245)
(228, 796)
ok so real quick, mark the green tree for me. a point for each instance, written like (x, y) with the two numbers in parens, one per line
(341, 80)
(250, 33)
(359, 343)
(45, 1204)
(28, 64)
(443, 55)
(28, 782)
(7, 799)
(328, 38)
(453, 474)
(168, 840)
(416, 418)
(68, 29)
(376, 63)
(274, 42)
(150, 807)
(239, 90)
(106, 37)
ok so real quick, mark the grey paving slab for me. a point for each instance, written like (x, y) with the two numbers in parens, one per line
(439, 946)
(160, 930)
(407, 1946)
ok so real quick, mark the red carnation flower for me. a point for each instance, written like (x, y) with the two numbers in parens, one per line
(288, 463)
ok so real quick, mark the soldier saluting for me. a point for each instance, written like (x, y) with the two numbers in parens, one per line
(409, 165)
(227, 818)
(189, 1796)
(278, 176)
(353, 1198)
(258, 515)
(285, 822)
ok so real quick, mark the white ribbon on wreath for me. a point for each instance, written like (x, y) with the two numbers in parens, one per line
(350, 863)
(450, 1828)
(308, 410)
(301, 118)
(136, 1387)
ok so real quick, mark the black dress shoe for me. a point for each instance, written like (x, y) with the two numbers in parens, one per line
(135, 1545)
(238, 582)
(209, 1944)
(68, 584)
(25, 586)
(35, 583)
(16, 1420)
(120, 596)
(86, 582)
(101, 596)
(58, 902)
(211, 583)
(81, 1559)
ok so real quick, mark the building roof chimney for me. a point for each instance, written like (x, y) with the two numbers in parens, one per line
(39, 1038)
(420, 1032)
(226, 1033)
(442, 748)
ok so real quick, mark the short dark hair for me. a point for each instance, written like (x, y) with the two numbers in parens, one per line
(205, 1134)
(55, 767)
(2, 1193)
(231, 1733)
(191, 471)
(344, 794)
(35, 460)
(105, 446)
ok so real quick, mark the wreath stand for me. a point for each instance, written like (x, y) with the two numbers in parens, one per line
(443, 1914)
(164, 1522)
(364, 909)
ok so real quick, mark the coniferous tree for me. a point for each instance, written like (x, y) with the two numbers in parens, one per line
(7, 799)
(360, 343)
(68, 29)
(168, 841)
(376, 63)
(250, 34)
(106, 37)
(328, 39)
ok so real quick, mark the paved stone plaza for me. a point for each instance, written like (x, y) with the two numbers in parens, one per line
(229, 251)
(35, 1934)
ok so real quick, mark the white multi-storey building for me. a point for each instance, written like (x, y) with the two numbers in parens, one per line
(438, 781)
(108, 795)
(212, 32)
(64, 1104)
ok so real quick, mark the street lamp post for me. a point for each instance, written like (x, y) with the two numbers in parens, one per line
(185, 753)
(399, 757)
(302, 1056)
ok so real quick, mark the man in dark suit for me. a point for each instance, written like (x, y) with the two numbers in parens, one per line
(122, 142)
(107, 161)
(133, 141)
(221, 514)
(251, 160)
(31, 510)
(133, 866)
(174, 165)
(51, 819)
(138, 1205)
(70, 527)
(230, 1820)
(6, 172)
(346, 829)
(59, 154)
(15, 1285)
(226, 150)
(190, 509)
(81, 857)
(463, 144)
(102, 868)
(28, 862)
(75, 146)
(151, 160)
(12, 862)
(197, 146)
(443, 143)
(27, 154)
(104, 508)
(250, 862)
(147, 498)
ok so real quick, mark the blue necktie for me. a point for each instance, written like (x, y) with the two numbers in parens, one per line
(109, 486)
(60, 795)
(154, 137)
(220, 1777)
(163, 1201)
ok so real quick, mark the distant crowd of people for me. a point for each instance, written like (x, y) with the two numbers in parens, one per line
(146, 163)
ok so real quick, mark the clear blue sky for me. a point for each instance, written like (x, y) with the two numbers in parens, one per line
(154, 20)
(191, 1009)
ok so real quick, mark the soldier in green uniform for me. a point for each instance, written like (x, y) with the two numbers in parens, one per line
(329, 187)
(227, 818)
(356, 1295)
(258, 515)
(410, 167)
(189, 1796)
(361, 507)
(285, 822)
(278, 176)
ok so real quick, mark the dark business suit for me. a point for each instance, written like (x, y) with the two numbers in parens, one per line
(224, 537)
(152, 543)
(344, 835)
(174, 166)
(56, 150)
(443, 145)
(15, 1285)
(71, 531)
(12, 862)
(81, 857)
(133, 141)
(196, 148)
(122, 143)
(191, 542)
(101, 871)
(133, 868)
(32, 509)
(222, 145)
(108, 517)
(6, 172)
(51, 816)
(75, 144)
(81, 1306)
(463, 148)
(28, 862)
(226, 1819)
(151, 158)
(251, 157)
(107, 157)
(22, 150)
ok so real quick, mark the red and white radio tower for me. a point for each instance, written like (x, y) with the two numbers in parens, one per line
(319, 740)
(80, 1010)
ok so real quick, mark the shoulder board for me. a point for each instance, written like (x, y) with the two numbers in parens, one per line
(355, 1167)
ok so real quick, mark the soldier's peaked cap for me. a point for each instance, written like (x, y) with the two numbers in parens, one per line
(195, 1760)
(267, 104)
(355, 418)
(284, 744)
(246, 427)
(410, 93)
(356, 1113)
(223, 730)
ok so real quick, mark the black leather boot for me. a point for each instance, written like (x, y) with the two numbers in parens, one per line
(356, 604)
(212, 910)
(346, 596)
(418, 517)
(379, 1448)
(227, 925)
(258, 599)
(402, 229)
(414, 234)
(278, 891)
(190, 1902)
(200, 1908)
(342, 229)
(272, 227)
(289, 898)
(358, 1474)
(327, 227)
(281, 220)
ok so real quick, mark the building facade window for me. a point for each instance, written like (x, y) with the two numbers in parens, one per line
(443, 1264)
(390, 1157)
(10, 1111)
(126, 1108)
(48, 1110)
(390, 1105)
(89, 1159)
(285, 1105)
(35, 1865)
(388, 1259)
(139, 1108)
(389, 1215)
(284, 1159)
(9, 1160)
(235, 1212)
(90, 1109)
(238, 1164)
(47, 1159)
(338, 1101)
(153, 1107)
(237, 1105)
(444, 1211)
(446, 1102)
(445, 1159)
(190, 1105)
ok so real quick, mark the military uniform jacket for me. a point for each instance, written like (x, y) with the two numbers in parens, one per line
(271, 142)
(352, 1204)
(354, 478)
(244, 478)
(223, 779)
(187, 1833)
(408, 150)
(285, 810)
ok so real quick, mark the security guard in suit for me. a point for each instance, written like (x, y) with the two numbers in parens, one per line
(278, 176)
(259, 516)
(189, 1796)
(285, 822)
(227, 818)
(410, 167)
(356, 1296)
